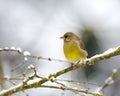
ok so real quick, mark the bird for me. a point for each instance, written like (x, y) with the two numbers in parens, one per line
(73, 47)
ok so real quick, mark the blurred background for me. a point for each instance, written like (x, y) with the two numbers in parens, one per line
(37, 25)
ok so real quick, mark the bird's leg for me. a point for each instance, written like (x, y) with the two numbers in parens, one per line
(74, 63)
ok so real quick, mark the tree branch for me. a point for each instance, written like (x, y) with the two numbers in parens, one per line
(90, 61)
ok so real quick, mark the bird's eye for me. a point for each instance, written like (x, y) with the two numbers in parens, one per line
(66, 36)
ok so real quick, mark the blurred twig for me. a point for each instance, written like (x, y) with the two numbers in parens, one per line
(110, 80)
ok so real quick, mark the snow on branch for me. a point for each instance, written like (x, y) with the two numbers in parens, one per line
(39, 83)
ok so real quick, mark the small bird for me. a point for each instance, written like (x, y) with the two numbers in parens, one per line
(73, 47)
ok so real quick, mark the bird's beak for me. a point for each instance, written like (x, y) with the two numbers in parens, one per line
(62, 37)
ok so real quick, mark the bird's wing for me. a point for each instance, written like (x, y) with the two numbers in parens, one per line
(82, 44)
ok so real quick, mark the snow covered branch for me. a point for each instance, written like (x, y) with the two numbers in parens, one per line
(39, 83)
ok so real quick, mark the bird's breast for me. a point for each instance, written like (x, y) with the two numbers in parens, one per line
(72, 51)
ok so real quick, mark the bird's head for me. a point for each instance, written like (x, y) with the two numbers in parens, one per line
(68, 36)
